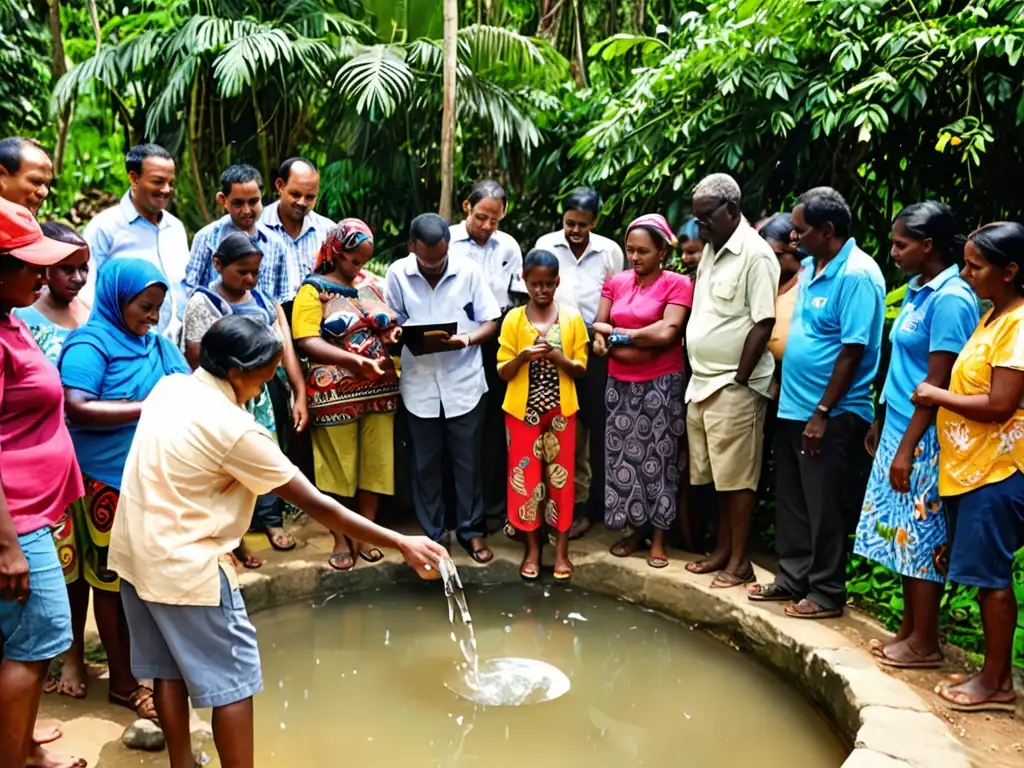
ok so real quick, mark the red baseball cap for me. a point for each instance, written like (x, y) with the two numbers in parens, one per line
(21, 236)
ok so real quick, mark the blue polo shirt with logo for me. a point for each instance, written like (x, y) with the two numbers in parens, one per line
(939, 316)
(845, 304)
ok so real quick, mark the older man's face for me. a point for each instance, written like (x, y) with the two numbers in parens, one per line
(30, 186)
(715, 221)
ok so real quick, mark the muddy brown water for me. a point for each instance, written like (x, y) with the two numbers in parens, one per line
(361, 680)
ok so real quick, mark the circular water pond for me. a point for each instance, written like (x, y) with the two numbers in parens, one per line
(366, 679)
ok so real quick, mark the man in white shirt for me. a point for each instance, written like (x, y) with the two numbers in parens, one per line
(585, 261)
(141, 227)
(444, 390)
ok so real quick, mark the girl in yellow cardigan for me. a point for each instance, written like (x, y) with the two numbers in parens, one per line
(543, 347)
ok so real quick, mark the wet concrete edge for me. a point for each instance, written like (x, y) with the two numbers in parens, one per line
(883, 720)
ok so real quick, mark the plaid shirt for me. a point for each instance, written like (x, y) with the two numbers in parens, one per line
(273, 279)
(300, 253)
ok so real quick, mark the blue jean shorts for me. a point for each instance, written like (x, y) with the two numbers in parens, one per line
(212, 648)
(988, 529)
(40, 628)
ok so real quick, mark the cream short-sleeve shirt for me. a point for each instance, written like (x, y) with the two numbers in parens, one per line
(196, 466)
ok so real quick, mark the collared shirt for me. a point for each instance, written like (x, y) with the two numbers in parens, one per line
(734, 290)
(197, 464)
(273, 279)
(122, 232)
(450, 380)
(939, 316)
(844, 304)
(580, 280)
(300, 252)
(500, 258)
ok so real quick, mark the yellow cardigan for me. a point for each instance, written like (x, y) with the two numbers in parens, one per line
(517, 334)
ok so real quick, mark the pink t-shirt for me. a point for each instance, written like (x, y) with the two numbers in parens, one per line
(637, 306)
(38, 468)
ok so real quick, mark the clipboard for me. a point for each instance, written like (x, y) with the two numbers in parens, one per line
(415, 336)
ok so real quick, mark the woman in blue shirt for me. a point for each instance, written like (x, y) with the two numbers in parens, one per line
(108, 366)
(903, 520)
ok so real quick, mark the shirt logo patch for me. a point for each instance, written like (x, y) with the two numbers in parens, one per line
(819, 301)
(912, 318)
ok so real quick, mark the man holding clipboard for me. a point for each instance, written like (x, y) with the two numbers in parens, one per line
(446, 310)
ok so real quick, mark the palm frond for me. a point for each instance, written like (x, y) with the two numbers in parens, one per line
(490, 47)
(425, 54)
(377, 79)
(483, 99)
(242, 59)
(105, 66)
(173, 98)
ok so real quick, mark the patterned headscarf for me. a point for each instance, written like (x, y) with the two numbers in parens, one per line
(656, 224)
(345, 237)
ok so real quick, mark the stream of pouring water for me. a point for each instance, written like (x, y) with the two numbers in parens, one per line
(499, 682)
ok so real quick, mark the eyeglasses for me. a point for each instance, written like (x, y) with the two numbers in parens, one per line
(705, 221)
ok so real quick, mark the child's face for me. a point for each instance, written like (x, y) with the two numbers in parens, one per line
(541, 283)
(692, 250)
(240, 276)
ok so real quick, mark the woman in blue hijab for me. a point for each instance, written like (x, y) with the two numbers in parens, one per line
(108, 366)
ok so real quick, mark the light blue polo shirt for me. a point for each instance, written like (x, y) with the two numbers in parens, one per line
(939, 316)
(845, 304)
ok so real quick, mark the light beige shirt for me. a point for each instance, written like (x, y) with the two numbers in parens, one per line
(734, 289)
(196, 466)
(580, 280)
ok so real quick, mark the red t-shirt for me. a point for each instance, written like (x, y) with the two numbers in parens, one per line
(637, 306)
(38, 468)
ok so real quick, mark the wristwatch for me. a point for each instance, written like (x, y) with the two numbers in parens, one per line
(822, 409)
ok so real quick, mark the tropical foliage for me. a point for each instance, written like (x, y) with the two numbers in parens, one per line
(890, 101)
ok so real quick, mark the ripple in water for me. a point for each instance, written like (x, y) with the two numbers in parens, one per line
(507, 682)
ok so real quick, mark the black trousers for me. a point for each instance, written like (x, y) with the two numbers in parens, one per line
(494, 457)
(817, 505)
(458, 439)
(590, 393)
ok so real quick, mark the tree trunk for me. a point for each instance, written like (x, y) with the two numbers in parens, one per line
(197, 178)
(580, 49)
(550, 19)
(451, 41)
(59, 68)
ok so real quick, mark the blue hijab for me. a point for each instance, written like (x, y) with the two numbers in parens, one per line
(105, 359)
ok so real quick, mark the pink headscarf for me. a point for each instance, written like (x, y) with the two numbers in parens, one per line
(655, 222)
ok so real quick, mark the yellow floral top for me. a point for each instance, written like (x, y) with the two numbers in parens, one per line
(973, 453)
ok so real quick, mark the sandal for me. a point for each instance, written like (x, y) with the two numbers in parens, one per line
(726, 580)
(341, 561)
(372, 555)
(481, 554)
(529, 570)
(701, 567)
(280, 539)
(140, 701)
(887, 661)
(657, 562)
(1002, 701)
(564, 573)
(808, 609)
(769, 593)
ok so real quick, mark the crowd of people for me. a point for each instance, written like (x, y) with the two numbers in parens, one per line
(163, 386)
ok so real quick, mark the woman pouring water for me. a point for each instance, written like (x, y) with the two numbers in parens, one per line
(196, 467)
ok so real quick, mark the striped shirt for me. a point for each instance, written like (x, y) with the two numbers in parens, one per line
(300, 252)
(273, 279)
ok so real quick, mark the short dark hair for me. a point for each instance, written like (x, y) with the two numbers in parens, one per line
(285, 171)
(239, 174)
(935, 221)
(63, 233)
(1002, 243)
(823, 205)
(235, 246)
(429, 229)
(488, 188)
(778, 227)
(239, 342)
(141, 152)
(12, 149)
(584, 199)
(538, 257)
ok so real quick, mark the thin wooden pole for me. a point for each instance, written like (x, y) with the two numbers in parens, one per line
(451, 41)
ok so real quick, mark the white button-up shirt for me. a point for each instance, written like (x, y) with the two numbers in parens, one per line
(301, 251)
(122, 232)
(500, 258)
(450, 380)
(580, 280)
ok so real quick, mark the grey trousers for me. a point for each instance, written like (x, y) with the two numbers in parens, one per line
(459, 440)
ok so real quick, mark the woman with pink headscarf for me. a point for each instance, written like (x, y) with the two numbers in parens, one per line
(640, 325)
(342, 326)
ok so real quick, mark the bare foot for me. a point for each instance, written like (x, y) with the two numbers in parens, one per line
(978, 695)
(716, 561)
(73, 678)
(44, 734)
(579, 528)
(902, 655)
(38, 757)
(628, 545)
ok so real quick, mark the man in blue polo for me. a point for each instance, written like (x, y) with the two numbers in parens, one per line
(825, 408)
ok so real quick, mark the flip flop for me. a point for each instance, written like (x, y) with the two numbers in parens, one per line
(657, 562)
(372, 555)
(280, 535)
(1003, 701)
(698, 567)
(886, 661)
(483, 555)
(341, 561)
(793, 611)
(769, 593)
(563, 575)
(529, 571)
(726, 580)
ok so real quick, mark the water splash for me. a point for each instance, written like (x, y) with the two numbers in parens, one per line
(457, 606)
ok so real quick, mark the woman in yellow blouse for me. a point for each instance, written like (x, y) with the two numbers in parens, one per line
(542, 348)
(980, 424)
